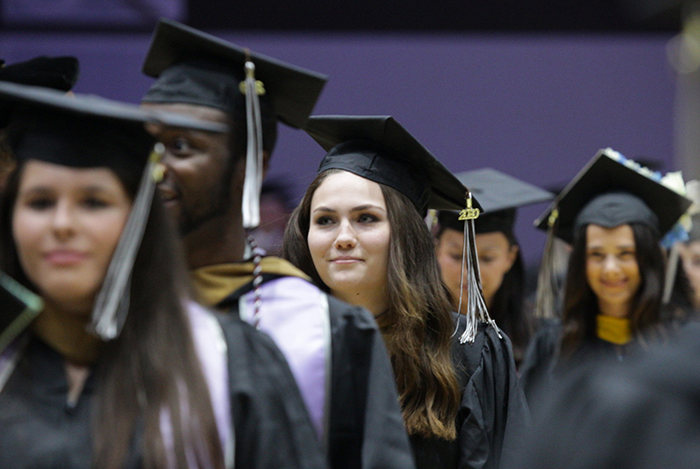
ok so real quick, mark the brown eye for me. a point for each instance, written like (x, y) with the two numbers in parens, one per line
(40, 203)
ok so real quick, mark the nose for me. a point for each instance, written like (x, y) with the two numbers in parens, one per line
(346, 236)
(63, 222)
(611, 265)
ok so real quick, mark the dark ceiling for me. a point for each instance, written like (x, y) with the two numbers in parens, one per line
(361, 15)
(437, 15)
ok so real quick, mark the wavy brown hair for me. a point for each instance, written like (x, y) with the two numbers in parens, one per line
(418, 326)
(137, 379)
(581, 304)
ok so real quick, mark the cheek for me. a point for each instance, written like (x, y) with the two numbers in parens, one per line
(318, 244)
(26, 231)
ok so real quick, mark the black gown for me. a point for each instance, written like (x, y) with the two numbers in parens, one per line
(366, 428)
(641, 414)
(541, 367)
(41, 430)
(492, 411)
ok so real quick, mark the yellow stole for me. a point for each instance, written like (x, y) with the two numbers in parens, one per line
(214, 283)
(614, 330)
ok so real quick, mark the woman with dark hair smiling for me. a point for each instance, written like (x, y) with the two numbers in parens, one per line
(359, 233)
(120, 368)
(614, 216)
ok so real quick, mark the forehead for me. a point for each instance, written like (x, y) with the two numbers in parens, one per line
(196, 111)
(597, 235)
(347, 189)
(50, 175)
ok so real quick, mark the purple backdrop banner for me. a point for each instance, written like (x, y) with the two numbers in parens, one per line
(536, 107)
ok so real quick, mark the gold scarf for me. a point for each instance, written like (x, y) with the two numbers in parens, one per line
(614, 330)
(68, 335)
(214, 283)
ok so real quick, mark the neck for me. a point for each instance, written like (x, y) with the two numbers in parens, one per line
(617, 310)
(215, 242)
(66, 332)
(376, 302)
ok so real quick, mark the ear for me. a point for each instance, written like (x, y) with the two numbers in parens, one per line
(512, 254)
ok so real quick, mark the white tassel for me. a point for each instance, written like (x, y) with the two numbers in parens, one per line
(112, 303)
(476, 304)
(254, 151)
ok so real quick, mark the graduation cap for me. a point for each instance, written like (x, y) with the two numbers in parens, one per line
(611, 191)
(88, 131)
(499, 196)
(59, 73)
(197, 68)
(380, 149)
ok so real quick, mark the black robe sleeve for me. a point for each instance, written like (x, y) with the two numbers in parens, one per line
(271, 425)
(492, 413)
(366, 425)
(537, 366)
(493, 403)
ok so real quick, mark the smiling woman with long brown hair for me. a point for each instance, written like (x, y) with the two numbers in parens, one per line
(614, 216)
(359, 233)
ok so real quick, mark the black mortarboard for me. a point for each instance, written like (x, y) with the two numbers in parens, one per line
(609, 191)
(82, 131)
(499, 196)
(380, 149)
(88, 131)
(197, 68)
(59, 73)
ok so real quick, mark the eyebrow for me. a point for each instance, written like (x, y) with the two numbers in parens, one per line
(621, 247)
(359, 208)
(45, 189)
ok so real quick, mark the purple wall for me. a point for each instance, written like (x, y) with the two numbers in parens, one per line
(536, 107)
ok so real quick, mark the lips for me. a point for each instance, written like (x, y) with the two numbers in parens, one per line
(65, 257)
(346, 260)
(614, 283)
(168, 193)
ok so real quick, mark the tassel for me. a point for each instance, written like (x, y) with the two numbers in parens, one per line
(254, 151)
(671, 271)
(549, 284)
(112, 303)
(476, 304)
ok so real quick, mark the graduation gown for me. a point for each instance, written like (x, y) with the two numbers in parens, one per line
(362, 422)
(641, 414)
(40, 429)
(541, 367)
(492, 410)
